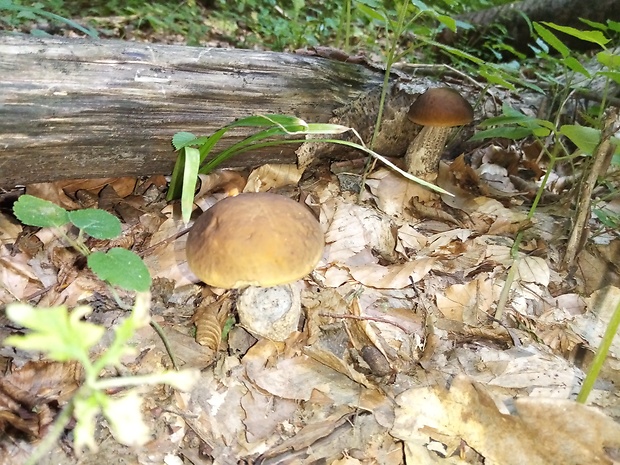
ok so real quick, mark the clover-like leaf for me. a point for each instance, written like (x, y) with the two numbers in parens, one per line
(34, 211)
(96, 223)
(122, 268)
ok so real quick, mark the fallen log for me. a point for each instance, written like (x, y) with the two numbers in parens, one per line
(88, 109)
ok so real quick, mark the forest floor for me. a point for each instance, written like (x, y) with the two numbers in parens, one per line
(402, 356)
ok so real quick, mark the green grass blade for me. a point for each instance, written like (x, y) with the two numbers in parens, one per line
(190, 177)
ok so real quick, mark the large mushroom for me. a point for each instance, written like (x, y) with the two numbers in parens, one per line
(260, 243)
(438, 110)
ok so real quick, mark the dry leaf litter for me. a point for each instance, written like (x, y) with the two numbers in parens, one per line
(398, 359)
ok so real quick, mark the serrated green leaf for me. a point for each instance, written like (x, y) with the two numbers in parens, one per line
(181, 138)
(596, 37)
(122, 268)
(551, 39)
(33, 211)
(56, 331)
(96, 223)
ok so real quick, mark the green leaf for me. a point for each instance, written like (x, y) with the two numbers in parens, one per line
(576, 66)
(513, 133)
(585, 138)
(121, 267)
(56, 331)
(596, 37)
(494, 77)
(447, 21)
(371, 13)
(190, 177)
(609, 59)
(33, 211)
(594, 24)
(613, 25)
(613, 75)
(180, 139)
(608, 219)
(551, 39)
(96, 223)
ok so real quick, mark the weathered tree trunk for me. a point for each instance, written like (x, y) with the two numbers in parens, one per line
(563, 12)
(78, 108)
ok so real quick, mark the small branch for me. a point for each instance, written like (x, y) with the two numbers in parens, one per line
(366, 318)
(602, 158)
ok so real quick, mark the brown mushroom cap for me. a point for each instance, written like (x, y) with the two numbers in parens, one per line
(441, 107)
(254, 239)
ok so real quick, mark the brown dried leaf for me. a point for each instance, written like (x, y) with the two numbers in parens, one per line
(541, 434)
(272, 176)
(210, 319)
(26, 393)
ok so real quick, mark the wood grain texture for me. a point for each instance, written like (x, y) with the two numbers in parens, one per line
(80, 108)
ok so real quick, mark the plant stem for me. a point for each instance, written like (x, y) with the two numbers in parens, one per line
(53, 435)
(601, 355)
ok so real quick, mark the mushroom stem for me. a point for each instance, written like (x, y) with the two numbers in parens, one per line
(423, 154)
(271, 312)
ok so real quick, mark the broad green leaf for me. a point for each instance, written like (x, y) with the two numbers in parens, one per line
(589, 36)
(447, 21)
(34, 211)
(609, 59)
(190, 177)
(585, 138)
(613, 25)
(513, 133)
(574, 64)
(56, 331)
(121, 267)
(96, 223)
(551, 39)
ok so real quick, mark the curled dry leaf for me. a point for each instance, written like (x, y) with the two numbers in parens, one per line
(540, 434)
(210, 319)
(273, 176)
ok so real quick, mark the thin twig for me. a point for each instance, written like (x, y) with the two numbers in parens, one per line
(378, 319)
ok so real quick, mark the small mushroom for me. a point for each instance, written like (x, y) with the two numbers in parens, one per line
(438, 110)
(259, 243)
